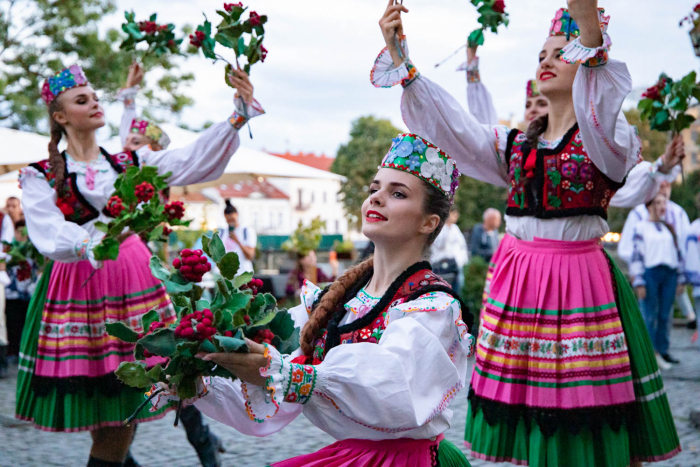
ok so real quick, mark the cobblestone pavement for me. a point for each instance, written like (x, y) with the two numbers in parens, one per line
(159, 444)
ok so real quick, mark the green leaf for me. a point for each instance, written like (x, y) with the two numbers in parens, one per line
(186, 349)
(241, 45)
(158, 270)
(155, 234)
(207, 347)
(122, 331)
(173, 287)
(187, 388)
(162, 342)
(203, 305)
(290, 344)
(660, 118)
(476, 38)
(108, 249)
(224, 40)
(228, 266)
(257, 307)
(205, 244)
(148, 318)
(224, 320)
(133, 374)
(217, 249)
(156, 374)
(232, 344)
(101, 226)
(242, 279)
(221, 372)
(282, 325)
(265, 318)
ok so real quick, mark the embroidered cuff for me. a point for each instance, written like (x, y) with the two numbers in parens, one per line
(385, 75)
(244, 112)
(575, 52)
(27, 171)
(82, 248)
(166, 397)
(286, 382)
(128, 96)
(473, 75)
(670, 176)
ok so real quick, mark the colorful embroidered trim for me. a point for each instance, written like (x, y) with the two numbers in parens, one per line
(66, 79)
(385, 75)
(81, 248)
(564, 25)
(238, 120)
(575, 52)
(531, 89)
(269, 386)
(473, 76)
(302, 381)
(412, 154)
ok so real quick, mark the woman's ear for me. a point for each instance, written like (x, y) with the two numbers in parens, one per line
(431, 223)
(60, 117)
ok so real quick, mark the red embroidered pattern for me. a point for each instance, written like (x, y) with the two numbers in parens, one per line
(566, 182)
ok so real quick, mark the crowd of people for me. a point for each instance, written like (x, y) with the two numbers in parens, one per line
(566, 366)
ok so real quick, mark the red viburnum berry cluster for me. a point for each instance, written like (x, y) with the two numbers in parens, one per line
(654, 92)
(174, 210)
(263, 53)
(166, 231)
(264, 336)
(144, 192)
(150, 27)
(230, 6)
(115, 206)
(24, 271)
(254, 285)
(197, 39)
(192, 265)
(499, 6)
(254, 19)
(196, 326)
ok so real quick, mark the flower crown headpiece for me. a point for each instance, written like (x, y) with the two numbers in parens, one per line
(532, 89)
(564, 25)
(412, 154)
(66, 79)
(150, 130)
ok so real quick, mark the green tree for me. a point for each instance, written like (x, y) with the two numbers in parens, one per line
(39, 37)
(653, 142)
(370, 139)
(474, 197)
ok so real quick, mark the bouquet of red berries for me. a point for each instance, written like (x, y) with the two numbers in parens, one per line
(136, 205)
(235, 312)
(159, 38)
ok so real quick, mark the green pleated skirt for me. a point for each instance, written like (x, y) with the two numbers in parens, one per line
(81, 409)
(648, 436)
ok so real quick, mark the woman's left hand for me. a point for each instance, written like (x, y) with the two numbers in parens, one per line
(246, 366)
(585, 13)
(244, 88)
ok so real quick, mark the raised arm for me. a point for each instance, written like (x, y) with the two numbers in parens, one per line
(600, 87)
(429, 111)
(478, 97)
(128, 97)
(206, 158)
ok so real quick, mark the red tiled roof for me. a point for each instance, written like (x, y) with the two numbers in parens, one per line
(322, 161)
(242, 189)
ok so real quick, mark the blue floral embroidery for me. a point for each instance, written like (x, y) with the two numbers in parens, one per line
(419, 146)
(413, 162)
(395, 142)
(404, 149)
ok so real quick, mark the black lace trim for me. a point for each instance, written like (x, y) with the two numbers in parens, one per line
(550, 420)
(107, 385)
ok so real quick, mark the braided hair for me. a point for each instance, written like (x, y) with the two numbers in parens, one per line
(56, 160)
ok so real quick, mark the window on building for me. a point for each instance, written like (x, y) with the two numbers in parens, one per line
(337, 226)
(280, 219)
(301, 192)
(325, 197)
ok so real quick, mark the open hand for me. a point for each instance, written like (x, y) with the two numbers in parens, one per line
(136, 73)
(244, 88)
(391, 25)
(246, 366)
(675, 153)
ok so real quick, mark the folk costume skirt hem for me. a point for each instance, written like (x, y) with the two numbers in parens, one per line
(66, 378)
(565, 373)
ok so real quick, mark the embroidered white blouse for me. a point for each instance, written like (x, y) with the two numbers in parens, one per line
(479, 149)
(398, 388)
(654, 245)
(201, 161)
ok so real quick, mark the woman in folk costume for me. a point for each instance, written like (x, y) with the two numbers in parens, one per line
(641, 185)
(67, 363)
(565, 372)
(383, 349)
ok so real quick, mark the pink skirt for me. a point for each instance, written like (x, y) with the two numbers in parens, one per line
(73, 341)
(366, 453)
(551, 335)
(503, 247)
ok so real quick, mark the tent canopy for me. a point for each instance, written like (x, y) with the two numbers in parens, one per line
(20, 148)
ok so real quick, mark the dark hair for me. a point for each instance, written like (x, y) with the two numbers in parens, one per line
(230, 208)
(13, 198)
(328, 302)
(536, 128)
(20, 223)
(58, 163)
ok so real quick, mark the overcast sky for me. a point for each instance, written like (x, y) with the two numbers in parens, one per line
(315, 81)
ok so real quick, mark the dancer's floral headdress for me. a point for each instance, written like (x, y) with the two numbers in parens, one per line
(150, 130)
(532, 89)
(64, 80)
(417, 156)
(564, 25)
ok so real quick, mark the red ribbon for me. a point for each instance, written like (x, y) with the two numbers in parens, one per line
(531, 163)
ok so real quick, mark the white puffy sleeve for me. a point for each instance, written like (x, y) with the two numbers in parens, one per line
(378, 391)
(206, 158)
(478, 97)
(431, 112)
(642, 184)
(7, 233)
(600, 88)
(128, 97)
(49, 231)
(637, 267)
(625, 247)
